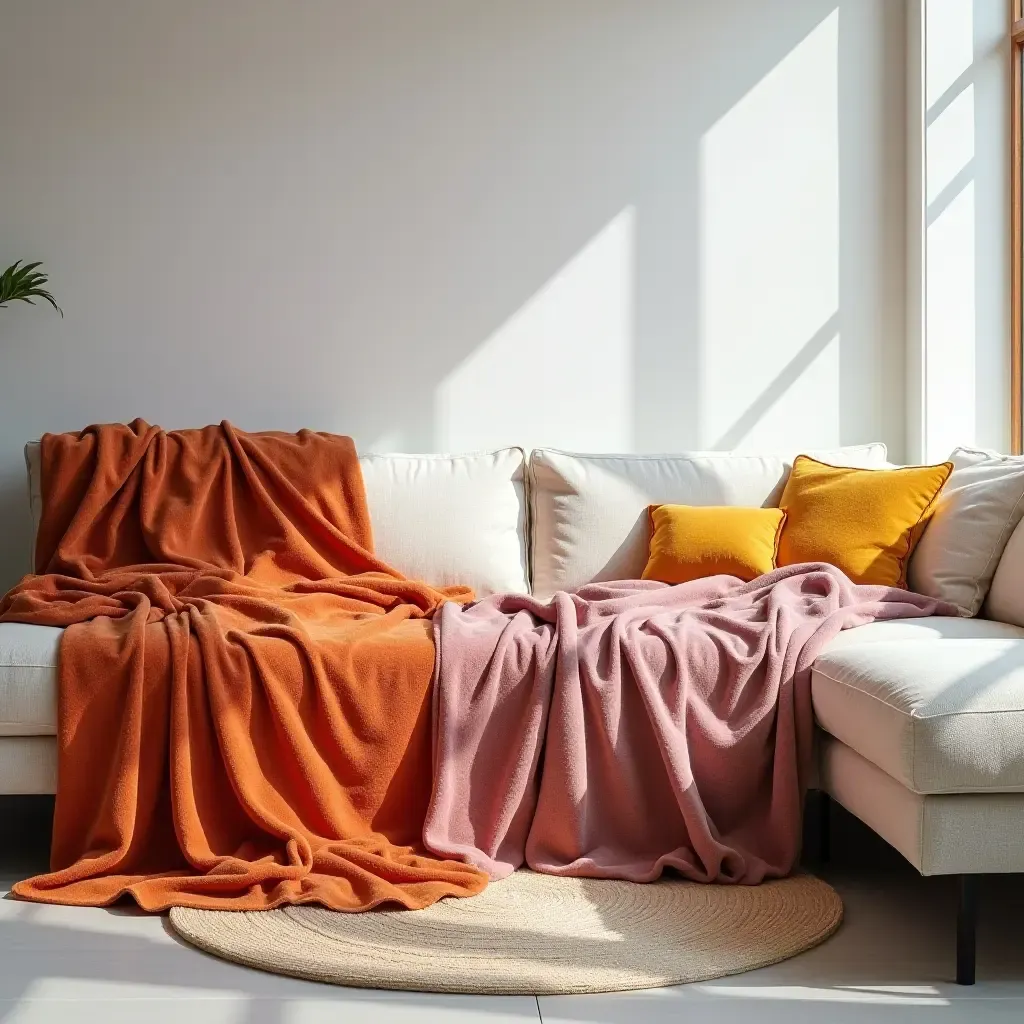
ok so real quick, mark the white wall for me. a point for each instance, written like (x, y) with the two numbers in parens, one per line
(958, 384)
(603, 224)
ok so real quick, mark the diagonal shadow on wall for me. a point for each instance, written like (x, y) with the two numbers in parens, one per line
(778, 387)
(229, 243)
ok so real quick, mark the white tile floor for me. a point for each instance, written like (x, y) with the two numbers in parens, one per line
(890, 962)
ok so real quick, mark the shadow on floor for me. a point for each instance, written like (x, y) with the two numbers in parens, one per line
(892, 959)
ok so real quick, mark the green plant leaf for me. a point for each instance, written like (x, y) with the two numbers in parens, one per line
(23, 283)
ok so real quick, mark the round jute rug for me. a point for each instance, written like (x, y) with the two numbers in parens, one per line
(533, 934)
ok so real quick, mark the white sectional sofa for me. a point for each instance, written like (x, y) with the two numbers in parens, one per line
(922, 720)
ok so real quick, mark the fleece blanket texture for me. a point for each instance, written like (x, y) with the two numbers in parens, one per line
(630, 727)
(244, 689)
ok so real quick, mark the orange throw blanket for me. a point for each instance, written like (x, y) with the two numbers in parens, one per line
(244, 702)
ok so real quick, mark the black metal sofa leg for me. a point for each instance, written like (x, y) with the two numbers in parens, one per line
(966, 929)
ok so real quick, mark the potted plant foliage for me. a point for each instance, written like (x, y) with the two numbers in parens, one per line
(25, 283)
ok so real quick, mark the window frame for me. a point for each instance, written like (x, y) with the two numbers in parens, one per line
(1017, 228)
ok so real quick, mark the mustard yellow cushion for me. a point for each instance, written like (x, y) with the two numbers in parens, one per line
(863, 521)
(692, 541)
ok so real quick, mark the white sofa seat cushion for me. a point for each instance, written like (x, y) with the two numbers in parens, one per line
(930, 627)
(445, 519)
(589, 512)
(939, 716)
(28, 679)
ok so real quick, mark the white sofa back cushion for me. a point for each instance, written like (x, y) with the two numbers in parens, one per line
(446, 519)
(451, 519)
(1005, 601)
(977, 511)
(589, 512)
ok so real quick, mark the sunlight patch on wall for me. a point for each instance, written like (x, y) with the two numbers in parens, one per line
(949, 37)
(950, 355)
(559, 372)
(770, 256)
(950, 387)
(781, 427)
(949, 143)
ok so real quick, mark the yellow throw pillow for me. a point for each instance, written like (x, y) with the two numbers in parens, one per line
(863, 521)
(693, 541)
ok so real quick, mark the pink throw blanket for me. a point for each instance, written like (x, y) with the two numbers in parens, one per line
(630, 727)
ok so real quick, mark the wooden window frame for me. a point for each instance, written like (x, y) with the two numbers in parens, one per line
(1017, 231)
